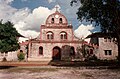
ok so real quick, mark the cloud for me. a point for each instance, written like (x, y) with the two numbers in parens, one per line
(50, 1)
(83, 31)
(6, 1)
(27, 22)
(6, 11)
(36, 18)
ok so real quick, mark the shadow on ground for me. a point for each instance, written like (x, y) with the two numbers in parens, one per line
(6, 67)
(88, 64)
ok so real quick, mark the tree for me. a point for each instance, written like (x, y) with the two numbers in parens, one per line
(8, 37)
(105, 13)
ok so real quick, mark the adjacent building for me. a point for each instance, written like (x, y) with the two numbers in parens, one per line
(104, 45)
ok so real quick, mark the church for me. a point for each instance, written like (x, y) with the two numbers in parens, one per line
(55, 42)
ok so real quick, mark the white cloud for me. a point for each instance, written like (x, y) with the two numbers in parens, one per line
(83, 31)
(27, 22)
(6, 1)
(6, 11)
(36, 18)
(50, 1)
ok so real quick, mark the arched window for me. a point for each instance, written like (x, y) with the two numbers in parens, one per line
(60, 20)
(52, 20)
(40, 50)
(50, 35)
(63, 35)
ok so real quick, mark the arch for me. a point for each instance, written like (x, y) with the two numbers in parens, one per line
(72, 51)
(40, 50)
(56, 53)
(63, 35)
(50, 35)
(68, 52)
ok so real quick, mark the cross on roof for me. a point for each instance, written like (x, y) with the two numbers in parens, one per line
(56, 8)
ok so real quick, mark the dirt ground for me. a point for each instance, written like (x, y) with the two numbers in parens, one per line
(58, 73)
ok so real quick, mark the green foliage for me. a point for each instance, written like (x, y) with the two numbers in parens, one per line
(105, 13)
(21, 56)
(8, 37)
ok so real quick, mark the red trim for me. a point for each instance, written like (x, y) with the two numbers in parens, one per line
(72, 34)
(41, 32)
(52, 41)
(60, 27)
(63, 41)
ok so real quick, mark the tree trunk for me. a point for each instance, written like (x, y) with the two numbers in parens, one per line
(118, 40)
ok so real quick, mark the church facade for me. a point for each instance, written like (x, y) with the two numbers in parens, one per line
(55, 42)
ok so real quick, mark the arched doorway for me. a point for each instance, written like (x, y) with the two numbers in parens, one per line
(56, 54)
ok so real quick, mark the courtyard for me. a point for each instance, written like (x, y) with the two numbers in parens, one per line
(53, 72)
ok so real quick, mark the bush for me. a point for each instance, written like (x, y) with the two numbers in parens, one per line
(92, 58)
(21, 56)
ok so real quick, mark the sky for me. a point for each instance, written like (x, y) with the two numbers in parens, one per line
(28, 15)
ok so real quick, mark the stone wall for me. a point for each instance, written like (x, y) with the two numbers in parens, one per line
(56, 33)
(10, 56)
(106, 45)
(48, 49)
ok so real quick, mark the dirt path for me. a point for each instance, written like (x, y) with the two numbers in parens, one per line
(49, 73)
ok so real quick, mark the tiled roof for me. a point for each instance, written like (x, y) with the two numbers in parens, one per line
(99, 34)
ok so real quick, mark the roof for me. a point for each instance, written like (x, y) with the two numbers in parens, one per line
(19, 35)
(24, 43)
(100, 35)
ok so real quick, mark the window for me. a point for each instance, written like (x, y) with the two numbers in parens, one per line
(2, 54)
(63, 35)
(91, 51)
(50, 35)
(60, 20)
(40, 50)
(107, 39)
(108, 52)
(52, 21)
(6, 53)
